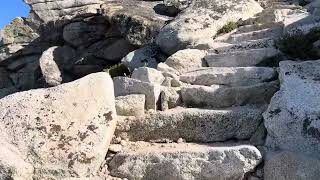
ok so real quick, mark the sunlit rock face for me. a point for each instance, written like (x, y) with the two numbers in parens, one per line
(48, 10)
(59, 132)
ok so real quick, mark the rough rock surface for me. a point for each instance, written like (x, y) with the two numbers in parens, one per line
(84, 33)
(138, 21)
(18, 32)
(184, 161)
(15, 40)
(198, 24)
(149, 75)
(229, 76)
(54, 61)
(126, 86)
(166, 69)
(194, 125)
(143, 57)
(241, 58)
(287, 165)
(60, 132)
(4, 78)
(293, 115)
(186, 60)
(25, 71)
(48, 10)
(220, 96)
(130, 105)
(111, 49)
(169, 98)
(178, 4)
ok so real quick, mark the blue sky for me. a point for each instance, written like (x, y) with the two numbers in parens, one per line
(10, 9)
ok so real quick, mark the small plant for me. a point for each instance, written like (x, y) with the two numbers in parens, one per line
(299, 45)
(118, 70)
(230, 26)
(145, 63)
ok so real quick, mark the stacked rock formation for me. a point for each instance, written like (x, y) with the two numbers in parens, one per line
(197, 102)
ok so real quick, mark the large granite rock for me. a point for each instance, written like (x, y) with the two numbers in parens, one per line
(149, 75)
(16, 39)
(184, 161)
(25, 71)
(54, 10)
(186, 60)
(143, 57)
(287, 165)
(18, 32)
(8, 51)
(111, 49)
(54, 61)
(292, 119)
(60, 132)
(193, 125)
(137, 21)
(197, 25)
(85, 32)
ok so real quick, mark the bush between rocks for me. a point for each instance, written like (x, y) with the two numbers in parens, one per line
(299, 45)
(118, 70)
(230, 26)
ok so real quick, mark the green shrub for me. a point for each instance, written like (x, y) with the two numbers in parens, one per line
(118, 70)
(299, 45)
(230, 26)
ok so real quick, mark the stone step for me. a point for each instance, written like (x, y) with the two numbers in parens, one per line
(269, 3)
(244, 45)
(193, 124)
(184, 161)
(229, 76)
(247, 29)
(217, 96)
(257, 27)
(274, 14)
(285, 5)
(241, 58)
(255, 35)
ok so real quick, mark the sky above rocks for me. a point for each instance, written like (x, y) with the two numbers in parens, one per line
(10, 9)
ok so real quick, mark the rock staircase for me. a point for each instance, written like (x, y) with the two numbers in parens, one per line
(218, 118)
(197, 115)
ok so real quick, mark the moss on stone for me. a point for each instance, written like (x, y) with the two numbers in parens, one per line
(118, 70)
(230, 26)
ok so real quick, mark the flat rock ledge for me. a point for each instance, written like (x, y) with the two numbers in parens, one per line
(193, 124)
(184, 161)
